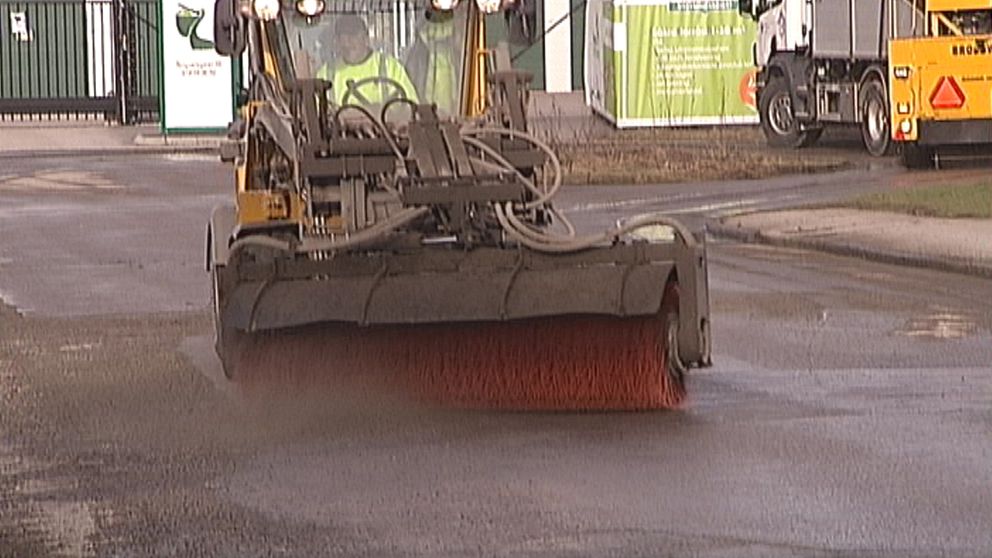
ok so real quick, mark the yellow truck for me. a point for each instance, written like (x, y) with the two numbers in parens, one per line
(940, 82)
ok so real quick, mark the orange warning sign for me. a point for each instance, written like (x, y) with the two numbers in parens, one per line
(947, 94)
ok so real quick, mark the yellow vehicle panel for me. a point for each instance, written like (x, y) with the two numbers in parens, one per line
(939, 79)
(958, 5)
(258, 207)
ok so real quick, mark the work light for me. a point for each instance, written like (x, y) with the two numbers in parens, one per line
(444, 5)
(266, 9)
(489, 6)
(310, 8)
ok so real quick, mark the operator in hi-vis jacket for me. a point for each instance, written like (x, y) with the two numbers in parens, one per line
(363, 75)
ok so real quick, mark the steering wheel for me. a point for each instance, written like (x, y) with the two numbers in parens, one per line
(392, 90)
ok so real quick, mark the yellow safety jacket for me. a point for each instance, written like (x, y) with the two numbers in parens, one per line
(376, 65)
(433, 63)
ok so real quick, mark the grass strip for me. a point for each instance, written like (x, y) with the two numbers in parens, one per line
(949, 201)
(662, 164)
(685, 155)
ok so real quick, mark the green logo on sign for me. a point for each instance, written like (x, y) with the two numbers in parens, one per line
(187, 20)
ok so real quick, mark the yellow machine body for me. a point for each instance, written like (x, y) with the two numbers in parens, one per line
(941, 81)
(258, 206)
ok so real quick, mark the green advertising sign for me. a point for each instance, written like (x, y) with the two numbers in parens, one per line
(670, 63)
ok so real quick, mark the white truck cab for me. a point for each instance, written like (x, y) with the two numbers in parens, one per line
(782, 26)
(823, 63)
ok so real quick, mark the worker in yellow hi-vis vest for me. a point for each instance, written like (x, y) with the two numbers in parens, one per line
(362, 75)
(433, 61)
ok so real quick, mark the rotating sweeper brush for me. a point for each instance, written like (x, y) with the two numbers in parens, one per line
(418, 248)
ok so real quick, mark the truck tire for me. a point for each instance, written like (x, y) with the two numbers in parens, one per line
(917, 157)
(778, 121)
(876, 131)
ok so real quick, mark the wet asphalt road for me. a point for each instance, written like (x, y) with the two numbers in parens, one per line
(847, 413)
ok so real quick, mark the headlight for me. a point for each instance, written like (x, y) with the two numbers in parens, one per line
(310, 8)
(903, 108)
(489, 6)
(444, 5)
(901, 72)
(266, 9)
(905, 126)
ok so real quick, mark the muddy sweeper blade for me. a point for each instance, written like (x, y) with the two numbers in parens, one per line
(608, 328)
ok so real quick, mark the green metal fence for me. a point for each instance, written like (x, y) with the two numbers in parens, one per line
(79, 57)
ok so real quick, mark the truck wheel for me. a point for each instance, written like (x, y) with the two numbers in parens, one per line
(778, 120)
(875, 129)
(915, 156)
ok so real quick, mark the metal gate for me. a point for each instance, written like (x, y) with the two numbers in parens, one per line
(79, 59)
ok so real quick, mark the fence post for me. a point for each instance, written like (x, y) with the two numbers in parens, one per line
(121, 55)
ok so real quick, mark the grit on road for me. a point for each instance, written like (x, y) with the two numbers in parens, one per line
(847, 412)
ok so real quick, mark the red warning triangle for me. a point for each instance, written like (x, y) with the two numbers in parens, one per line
(947, 94)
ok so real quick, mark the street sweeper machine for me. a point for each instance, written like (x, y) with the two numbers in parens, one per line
(392, 212)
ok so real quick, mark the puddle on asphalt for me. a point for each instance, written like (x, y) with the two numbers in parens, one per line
(64, 528)
(10, 306)
(182, 157)
(58, 181)
(655, 233)
(872, 276)
(42, 487)
(782, 306)
(69, 526)
(80, 347)
(774, 253)
(200, 352)
(940, 324)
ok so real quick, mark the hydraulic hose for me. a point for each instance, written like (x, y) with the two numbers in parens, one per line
(543, 241)
(543, 197)
(377, 124)
(371, 235)
(558, 217)
(516, 230)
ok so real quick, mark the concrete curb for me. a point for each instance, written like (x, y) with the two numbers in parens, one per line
(872, 253)
(104, 151)
(81, 139)
(178, 142)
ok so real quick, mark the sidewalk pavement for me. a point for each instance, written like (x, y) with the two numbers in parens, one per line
(960, 245)
(93, 137)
